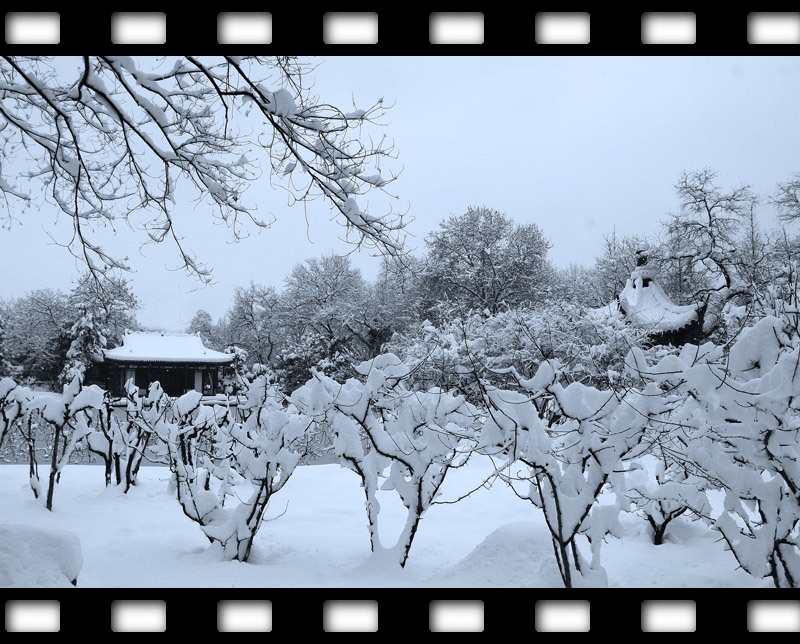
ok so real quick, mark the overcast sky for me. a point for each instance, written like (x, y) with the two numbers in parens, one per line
(577, 145)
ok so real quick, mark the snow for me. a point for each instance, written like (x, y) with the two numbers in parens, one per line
(90, 397)
(6, 386)
(649, 306)
(756, 351)
(161, 346)
(33, 556)
(279, 103)
(51, 406)
(315, 535)
(188, 402)
(523, 547)
(582, 402)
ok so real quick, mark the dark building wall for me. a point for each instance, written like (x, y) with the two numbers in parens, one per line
(175, 379)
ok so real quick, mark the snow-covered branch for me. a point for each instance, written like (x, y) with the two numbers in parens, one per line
(113, 140)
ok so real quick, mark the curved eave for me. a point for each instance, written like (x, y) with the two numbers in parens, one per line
(177, 361)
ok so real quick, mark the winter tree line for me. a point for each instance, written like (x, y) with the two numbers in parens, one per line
(482, 349)
(480, 266)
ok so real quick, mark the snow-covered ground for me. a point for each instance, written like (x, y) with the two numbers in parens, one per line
(316, 536)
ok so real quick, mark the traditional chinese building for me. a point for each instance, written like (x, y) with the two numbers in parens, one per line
(179, 361)
(645, 304)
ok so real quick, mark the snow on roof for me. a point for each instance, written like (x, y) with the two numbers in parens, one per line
(650, 306)
(161, 346)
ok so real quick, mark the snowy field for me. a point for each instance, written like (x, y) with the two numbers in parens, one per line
(316, 536)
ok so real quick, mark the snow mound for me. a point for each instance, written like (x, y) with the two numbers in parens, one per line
(513, 556)
(38, 557)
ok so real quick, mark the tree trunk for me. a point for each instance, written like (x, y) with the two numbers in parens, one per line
(563, 553)
(53, 468)
(412, 523)
(407, 537)
(107, 462)
(369, 485)
(660, 528)
(245, 544)
(658, 535)
(33, 465)
(372, 517)
(134, 461)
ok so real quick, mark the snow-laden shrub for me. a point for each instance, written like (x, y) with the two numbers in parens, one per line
(14, 401)
(263, 450)
(744, 423)
(663, 488)
(558, 447)
(65, 419)
(590, 345)
(383, 430)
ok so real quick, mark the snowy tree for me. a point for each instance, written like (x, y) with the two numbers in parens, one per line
(787, 198)
(327, 317)
(704, 235)
(143, 415)
(29, 429)
(755, 255)
(255, 321)
(484, 260)
(348, 443)
(324, 311)
(558, 447)
(419, 436)
(373, 319)
(18, 419)
(669, 491)
(41, 325)
(5, 366)
(576, 285)
(234, 380)
(590, 345)
(113, 139)
(264, 450)
(320, 296)
(85, 349)
(202, 325)
(311, 351)
(741, 416)
(13, 406)
(37, 334)
(397, 291)
(107, 440)
(112, 302)
(613, 267)
(71, 415)
(709, 218)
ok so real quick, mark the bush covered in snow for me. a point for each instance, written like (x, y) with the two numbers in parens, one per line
(658, 439)
(384, 430)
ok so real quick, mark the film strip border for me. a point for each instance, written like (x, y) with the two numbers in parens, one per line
(312, 611)
(496, 611)
(400, 30)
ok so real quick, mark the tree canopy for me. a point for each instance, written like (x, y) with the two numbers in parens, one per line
(115, 141)
(483, 259)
